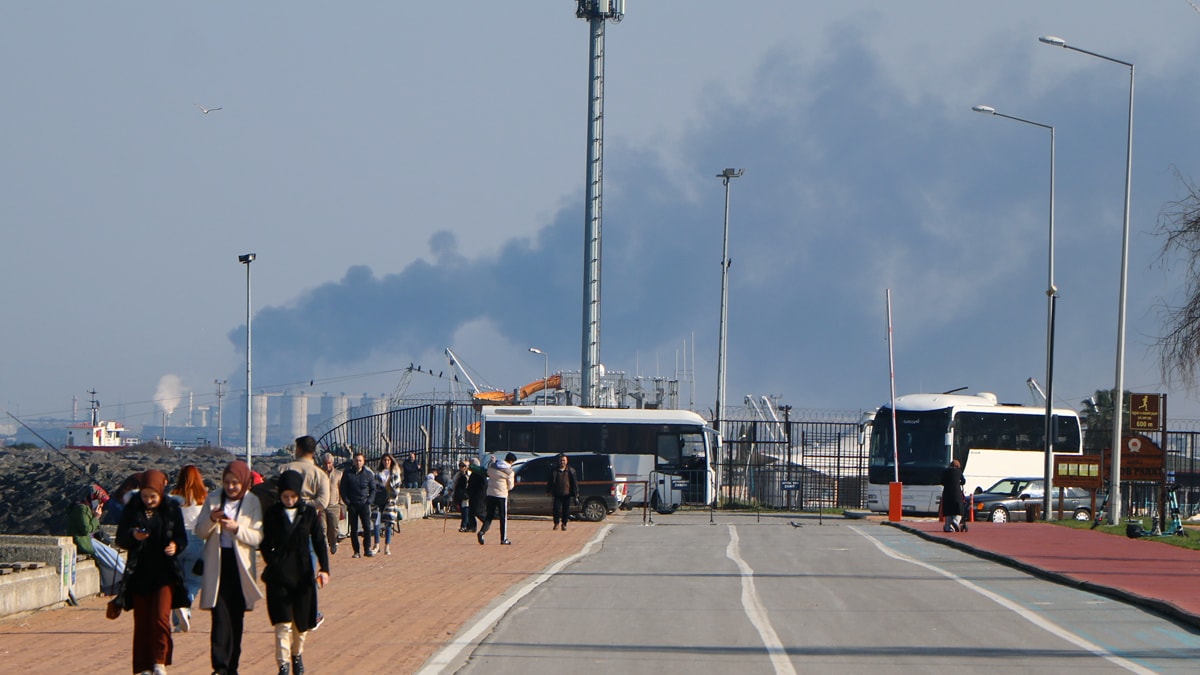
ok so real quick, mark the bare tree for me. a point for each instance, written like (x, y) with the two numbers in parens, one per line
(1179, 345)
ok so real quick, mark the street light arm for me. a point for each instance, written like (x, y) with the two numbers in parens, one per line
(1059, 42)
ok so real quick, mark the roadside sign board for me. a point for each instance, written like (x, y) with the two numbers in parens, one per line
(1141, 460)
(789, 485)
(1081, 471)
(1145, 412)
(677, 484)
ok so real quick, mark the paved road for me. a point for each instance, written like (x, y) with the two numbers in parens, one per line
(761, 596)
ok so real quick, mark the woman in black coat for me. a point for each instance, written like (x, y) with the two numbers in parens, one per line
(952, 497)
(151, 530)
(290, 526)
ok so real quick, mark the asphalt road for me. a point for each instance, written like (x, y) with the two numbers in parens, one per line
(762, 596)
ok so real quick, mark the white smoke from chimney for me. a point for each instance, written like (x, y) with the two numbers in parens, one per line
(169, 393)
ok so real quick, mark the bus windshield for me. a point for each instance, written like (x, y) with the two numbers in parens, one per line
(921, 447)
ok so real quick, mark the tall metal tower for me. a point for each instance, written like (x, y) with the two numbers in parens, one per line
(596, 12)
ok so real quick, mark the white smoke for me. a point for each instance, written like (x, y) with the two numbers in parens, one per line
(169, 393)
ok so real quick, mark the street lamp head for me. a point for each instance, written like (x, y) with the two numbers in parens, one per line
(247, 258)
(731, 173)
(1053, 40)
(535, 350)
(986, 109)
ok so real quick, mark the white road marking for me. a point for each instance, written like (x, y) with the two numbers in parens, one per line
(754, 609)
(1031, 617)
(465, 638)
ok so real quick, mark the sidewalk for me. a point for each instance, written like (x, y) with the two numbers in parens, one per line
(1143, 572)
(385, 614)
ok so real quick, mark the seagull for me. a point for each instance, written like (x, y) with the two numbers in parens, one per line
(205, 110)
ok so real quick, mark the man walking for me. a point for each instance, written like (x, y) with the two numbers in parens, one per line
(499, 482)
(315, 489)
(358, 489)
(563, 488)
(333, 512)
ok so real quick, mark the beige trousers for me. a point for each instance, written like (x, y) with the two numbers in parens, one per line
(289, 642)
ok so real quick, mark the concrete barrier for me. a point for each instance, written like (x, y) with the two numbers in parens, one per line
(62, 577)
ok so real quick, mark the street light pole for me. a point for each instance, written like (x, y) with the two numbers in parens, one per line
(1114, 513)
(1051, 301)
(246, 260)
(726, 177)
(546, 372)
(220, 394)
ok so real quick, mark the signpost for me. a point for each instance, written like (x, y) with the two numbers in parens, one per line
(1145, 413)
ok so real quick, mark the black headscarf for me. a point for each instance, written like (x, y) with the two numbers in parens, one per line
(292, 480)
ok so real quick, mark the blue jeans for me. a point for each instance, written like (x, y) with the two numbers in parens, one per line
(193, 552)
(110, 564)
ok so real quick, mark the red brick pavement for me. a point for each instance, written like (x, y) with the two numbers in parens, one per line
(1146, 572)
(385, 614)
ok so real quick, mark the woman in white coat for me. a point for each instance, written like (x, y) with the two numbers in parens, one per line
(231, 525)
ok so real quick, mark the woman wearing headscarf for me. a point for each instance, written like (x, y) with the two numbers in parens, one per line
(289, 527)
(231, 526)
(190, 493)
(83, 523)
(151, 530)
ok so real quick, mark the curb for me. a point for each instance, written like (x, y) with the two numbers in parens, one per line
(1156, 605)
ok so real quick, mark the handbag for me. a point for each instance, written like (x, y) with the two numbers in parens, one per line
(113, 609)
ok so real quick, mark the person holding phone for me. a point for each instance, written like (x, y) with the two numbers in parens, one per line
(151, 530)
(231, 526)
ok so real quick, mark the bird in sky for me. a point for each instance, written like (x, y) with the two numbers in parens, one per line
(205, 110)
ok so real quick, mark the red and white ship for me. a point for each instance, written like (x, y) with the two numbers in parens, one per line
(99, 435)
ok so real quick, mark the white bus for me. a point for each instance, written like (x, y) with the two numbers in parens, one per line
(669, 449)
(991, 440)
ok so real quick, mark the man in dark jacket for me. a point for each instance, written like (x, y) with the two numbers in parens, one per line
(358, 489)
(563, 488)
(952, 497)
(412, 471)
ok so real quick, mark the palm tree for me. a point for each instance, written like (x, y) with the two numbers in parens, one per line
(1098, 420)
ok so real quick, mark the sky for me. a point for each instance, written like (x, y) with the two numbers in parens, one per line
(411, 177)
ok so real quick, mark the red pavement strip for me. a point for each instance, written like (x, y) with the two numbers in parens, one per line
(1144, 572)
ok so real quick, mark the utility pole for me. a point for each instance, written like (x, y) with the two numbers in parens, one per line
(596, 12)
(220, 394)
(726, 177)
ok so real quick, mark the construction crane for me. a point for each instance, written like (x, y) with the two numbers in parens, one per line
(1036, 391)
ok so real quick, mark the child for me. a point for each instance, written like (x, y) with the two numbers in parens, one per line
(288, 528)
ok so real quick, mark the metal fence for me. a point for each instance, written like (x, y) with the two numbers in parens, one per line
(793, 465)
(439, 435)
(818, 461)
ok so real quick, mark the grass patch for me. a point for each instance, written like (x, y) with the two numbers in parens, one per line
(1192, 541)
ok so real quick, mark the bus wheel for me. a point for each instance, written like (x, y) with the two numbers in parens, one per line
(658, 506)
(594, 510)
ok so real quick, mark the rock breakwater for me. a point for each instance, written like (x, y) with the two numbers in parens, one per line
(38, 486)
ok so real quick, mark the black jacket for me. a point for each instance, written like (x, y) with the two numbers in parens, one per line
(148, 567)
(562, 483)
(288, 575)
(358, 487)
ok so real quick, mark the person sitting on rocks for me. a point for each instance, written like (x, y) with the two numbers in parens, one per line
(83, 523)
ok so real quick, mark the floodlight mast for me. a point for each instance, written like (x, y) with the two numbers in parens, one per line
(596, 12)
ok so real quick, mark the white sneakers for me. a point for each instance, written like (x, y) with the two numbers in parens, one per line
(183, 620)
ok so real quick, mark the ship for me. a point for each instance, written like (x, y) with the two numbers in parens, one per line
(99, 435)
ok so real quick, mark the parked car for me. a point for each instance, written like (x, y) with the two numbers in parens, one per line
(600, 493)
(1010, 496)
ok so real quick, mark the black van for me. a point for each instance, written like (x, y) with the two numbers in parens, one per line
(599, 491)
